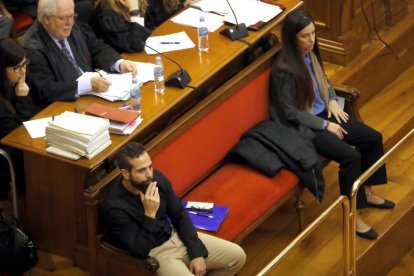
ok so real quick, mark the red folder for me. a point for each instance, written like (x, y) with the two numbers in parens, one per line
(112, 113)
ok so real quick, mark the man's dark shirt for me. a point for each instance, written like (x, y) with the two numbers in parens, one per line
(128, 228)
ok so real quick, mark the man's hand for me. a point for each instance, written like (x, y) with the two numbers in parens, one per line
(151, 200)
(100, 84)
(128, 66)
(22, 89)
(337, 130)
(198, 266)
(335, 110)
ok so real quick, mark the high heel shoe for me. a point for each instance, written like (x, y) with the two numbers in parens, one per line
(371, 234)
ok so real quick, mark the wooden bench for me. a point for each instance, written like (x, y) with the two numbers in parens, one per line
(191, 153)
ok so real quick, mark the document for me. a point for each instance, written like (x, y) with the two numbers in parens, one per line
(250, 12)
(168, 43)
(119, 89)
(191, 17)
(209, 221)
(37, 128)
(217, 6)
(145, 71)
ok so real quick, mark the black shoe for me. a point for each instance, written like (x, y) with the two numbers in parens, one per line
(371, 234)
(385, 205)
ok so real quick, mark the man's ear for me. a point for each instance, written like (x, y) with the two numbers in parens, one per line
(125, 174)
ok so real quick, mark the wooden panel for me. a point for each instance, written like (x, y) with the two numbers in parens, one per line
(343, 28)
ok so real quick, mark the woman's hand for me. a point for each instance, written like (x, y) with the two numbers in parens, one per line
(336, 129)
(129, 4)
(335, 110)
(189, 2)
(22, 89)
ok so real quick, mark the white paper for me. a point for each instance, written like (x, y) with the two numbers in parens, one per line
(37, 128)
(119, 89)
(191, 17)
(182, 39)
(250, 12)
(145, 71)
(217, 6)
(199, 205)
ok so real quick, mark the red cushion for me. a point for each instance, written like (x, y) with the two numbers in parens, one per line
(22, 21)
(207, 142)
(250, 186)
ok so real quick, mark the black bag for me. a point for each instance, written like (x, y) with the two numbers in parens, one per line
(18, 252)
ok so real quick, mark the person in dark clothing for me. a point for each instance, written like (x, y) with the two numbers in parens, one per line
(27, 6)
(6, 26)
(62, 50)
(303, 99)
(142, 214)
(118, 23)
(16, 106)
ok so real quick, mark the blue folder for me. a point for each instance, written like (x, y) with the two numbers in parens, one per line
(207, 223)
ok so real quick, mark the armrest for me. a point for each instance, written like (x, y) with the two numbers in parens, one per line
(142, 265)
(351, 95)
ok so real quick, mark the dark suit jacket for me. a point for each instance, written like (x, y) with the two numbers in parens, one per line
(52, 75)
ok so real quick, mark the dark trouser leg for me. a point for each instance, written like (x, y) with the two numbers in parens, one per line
(353, 161)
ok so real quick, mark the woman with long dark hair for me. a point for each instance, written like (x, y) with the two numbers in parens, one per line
(16, 106)
(303, 99)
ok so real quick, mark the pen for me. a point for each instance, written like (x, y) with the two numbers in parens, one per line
(199, 214)
(166, 42)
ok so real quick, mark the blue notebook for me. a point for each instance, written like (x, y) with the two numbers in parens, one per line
(208, 221)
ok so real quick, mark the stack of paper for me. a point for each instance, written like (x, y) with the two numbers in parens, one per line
(73, 135)
(120, 121)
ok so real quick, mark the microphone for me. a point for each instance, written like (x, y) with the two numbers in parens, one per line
(178, 79)
(237, 31)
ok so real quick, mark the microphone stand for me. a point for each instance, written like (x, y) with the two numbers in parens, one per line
(178, 79)
(237, 31)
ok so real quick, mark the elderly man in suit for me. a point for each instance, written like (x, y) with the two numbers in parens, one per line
(61, 50)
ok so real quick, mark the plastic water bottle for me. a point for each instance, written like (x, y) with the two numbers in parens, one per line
(135, 95)
(159, 85)
(202, 35)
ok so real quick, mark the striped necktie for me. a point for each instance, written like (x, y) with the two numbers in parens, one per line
(66, 52)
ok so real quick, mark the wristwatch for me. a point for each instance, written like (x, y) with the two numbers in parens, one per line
(134, 12)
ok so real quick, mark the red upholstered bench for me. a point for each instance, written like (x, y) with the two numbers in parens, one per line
(191, 153)
(201, 147)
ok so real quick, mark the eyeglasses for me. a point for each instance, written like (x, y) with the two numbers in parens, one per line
(19, 68)
(67, 18)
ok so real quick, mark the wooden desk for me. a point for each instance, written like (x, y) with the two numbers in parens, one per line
(55, 208)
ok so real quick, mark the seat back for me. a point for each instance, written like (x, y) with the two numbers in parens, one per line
(197, 143)
(6, 156)
(105, 259)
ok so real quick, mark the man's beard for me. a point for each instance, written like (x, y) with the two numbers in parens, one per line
(143, 185)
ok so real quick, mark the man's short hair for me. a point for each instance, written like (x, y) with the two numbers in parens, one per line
(46, 7)
(129, 151)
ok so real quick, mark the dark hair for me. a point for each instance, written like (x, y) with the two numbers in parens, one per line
(11, 54)
(129, 151)
(292, 59)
